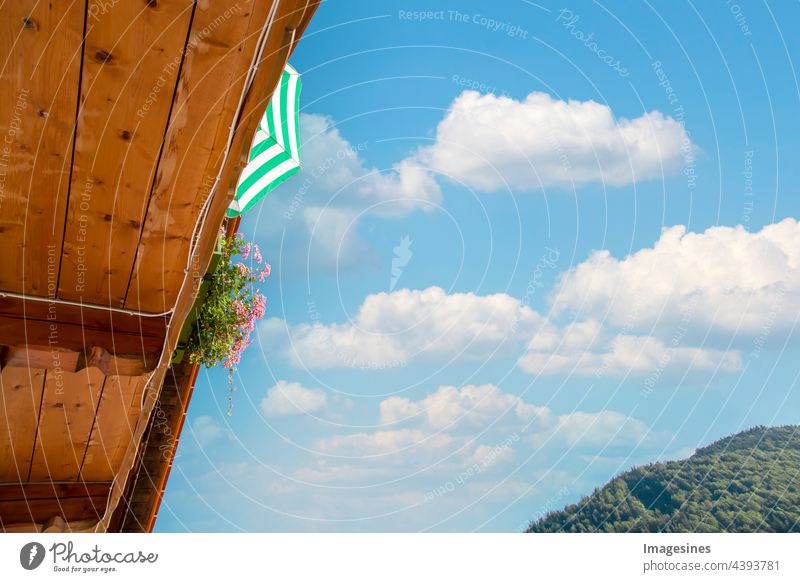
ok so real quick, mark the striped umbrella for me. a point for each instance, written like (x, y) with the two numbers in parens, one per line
(275, 154)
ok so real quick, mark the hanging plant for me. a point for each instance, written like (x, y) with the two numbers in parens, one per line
(231, 308)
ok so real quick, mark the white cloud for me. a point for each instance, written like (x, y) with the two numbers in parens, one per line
(488, 456)
(584, 348)
(606, 429)
(391, 328)
(726, 278)
(471, 405)
(336, 175)
(490, 142)
(420, 476)
(290, 398)
(384, 442)
(316, 214)
(450, 420)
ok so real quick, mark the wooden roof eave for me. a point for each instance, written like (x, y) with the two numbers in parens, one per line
(254, 100)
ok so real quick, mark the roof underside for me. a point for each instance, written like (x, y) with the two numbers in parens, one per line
(116, 120)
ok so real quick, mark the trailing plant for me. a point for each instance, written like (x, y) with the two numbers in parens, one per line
(231, 308)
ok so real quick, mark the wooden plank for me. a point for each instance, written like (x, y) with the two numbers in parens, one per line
(38, 357)
(113, 429)
(60, 490)
(19, 408)
(84, 316)
(73, 361)
(79, 526)
(221, 47)
(40, 510)
(65, 422)
(115, 364)
(292, 16)
(75, 338)
(40, 51)
(131, 62)
(21, 528)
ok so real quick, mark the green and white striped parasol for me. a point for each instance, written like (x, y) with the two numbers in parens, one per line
(275, 153)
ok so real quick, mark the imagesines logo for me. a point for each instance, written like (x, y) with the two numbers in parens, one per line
(31, 555)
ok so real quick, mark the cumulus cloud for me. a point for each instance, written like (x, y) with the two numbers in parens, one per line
(336, 175)
(391, 328)
(484, 141)
(726, 278)
(291, 398)
(320, 208)
(490, 142)
(446, 421)
(472, 405)
(503, 447)
(584, 348)
(606, 429)
(383, 442)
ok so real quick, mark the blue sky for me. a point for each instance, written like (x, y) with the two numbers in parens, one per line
(590, 211)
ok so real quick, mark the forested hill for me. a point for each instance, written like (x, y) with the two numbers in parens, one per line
(747, 482)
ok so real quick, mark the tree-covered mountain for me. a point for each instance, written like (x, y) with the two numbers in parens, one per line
(747, 482)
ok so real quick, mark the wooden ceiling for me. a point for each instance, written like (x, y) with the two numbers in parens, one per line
(118, 114)
(116, 122)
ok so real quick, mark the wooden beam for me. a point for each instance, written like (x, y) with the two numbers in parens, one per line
(85, 316)
(67, 414)
(20, 399)
(41, 510)
(131, 60)
(55, 524)
(77, 526)
(114, 427)
(115, 365)
(64, 506)
(75, 361)
(68, 327)
(52, 489)
(38, 357)
(40, 48)
(75, 338)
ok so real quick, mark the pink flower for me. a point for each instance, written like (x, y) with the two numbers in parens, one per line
(238, 308)
(247, 305)
(264, 273)
(259, 306)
